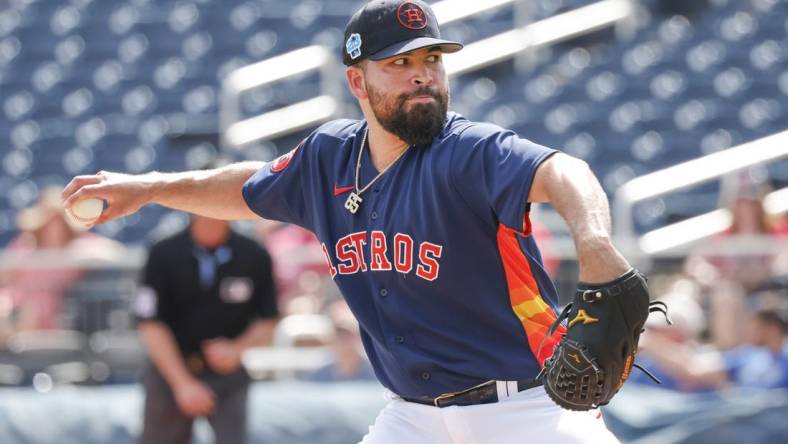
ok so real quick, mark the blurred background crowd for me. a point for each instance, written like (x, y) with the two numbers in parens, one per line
(136, 85)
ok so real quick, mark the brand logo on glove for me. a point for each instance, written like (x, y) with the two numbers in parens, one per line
(583, 317)
(625, 373)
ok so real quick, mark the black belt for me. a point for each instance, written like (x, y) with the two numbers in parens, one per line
(486, 393)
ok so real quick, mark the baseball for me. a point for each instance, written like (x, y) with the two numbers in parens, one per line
(86, 212)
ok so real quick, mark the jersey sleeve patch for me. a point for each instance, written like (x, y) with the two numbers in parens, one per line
(281, 162)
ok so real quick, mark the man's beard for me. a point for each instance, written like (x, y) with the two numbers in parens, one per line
(420, 124)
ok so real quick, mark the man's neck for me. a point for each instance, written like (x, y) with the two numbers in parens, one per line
(384, 146)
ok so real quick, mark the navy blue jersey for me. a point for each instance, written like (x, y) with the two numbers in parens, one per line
(438, 264)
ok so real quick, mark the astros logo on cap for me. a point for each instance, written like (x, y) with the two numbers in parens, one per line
(411, 16)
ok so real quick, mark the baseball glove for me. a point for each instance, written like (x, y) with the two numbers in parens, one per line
(594, 358)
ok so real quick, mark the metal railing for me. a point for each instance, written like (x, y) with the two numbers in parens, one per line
(549, 31)
(688, 174)
(237, 132)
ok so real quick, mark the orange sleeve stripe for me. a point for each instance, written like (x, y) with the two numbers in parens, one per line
(527, 303)
(520, 280)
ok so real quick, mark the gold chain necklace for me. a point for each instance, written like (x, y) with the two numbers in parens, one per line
(354, 200)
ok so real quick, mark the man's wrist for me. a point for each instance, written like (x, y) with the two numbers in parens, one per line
(600, 261)
(594, 243)
(182, 381)
(153, 184)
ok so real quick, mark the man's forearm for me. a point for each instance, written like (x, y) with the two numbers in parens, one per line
(163, 352)
(573, 190)
(212, 193)
(215, 193)
(258, 334)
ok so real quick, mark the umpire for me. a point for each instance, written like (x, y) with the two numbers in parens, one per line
(207, 295)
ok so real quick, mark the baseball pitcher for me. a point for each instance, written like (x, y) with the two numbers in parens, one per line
(423, 217)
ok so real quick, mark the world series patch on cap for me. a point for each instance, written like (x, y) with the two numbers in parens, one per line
(386, 28)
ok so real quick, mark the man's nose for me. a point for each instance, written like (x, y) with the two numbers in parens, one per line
(422, 76)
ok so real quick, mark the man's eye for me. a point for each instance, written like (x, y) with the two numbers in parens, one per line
(399, 62)
(434, 58)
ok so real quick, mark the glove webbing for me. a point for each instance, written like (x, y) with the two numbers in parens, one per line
(653, 307)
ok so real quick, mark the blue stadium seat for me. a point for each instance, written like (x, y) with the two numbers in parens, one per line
(92, 84)
(109, 153)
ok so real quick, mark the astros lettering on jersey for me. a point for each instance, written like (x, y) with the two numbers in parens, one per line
(438, 264)
(349, 251)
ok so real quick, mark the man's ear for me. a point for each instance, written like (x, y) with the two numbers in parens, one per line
(356, 82)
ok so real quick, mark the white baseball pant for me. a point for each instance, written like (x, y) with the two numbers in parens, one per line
(529, 416)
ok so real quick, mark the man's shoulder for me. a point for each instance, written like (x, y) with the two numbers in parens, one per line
(468, 131)
(329, 137)
(337, 130)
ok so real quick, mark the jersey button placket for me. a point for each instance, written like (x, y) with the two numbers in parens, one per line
(384, 292)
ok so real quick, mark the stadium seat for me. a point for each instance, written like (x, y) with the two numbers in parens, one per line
(57, 354)
(98, 84)
(117, 356)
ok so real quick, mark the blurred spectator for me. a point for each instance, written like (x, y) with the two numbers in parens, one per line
(299, 263)
(45, 260)
(688, 321)
(208, 295)
(764, 362)
(304, 304)
(751, 227)
(304, 330)
(761, 363)
(348, 362)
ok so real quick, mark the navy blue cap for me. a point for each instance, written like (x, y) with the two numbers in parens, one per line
(386, 28)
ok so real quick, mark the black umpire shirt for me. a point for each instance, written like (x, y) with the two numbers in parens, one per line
(201, 294)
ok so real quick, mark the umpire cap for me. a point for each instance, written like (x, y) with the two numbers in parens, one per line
(386, 28)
